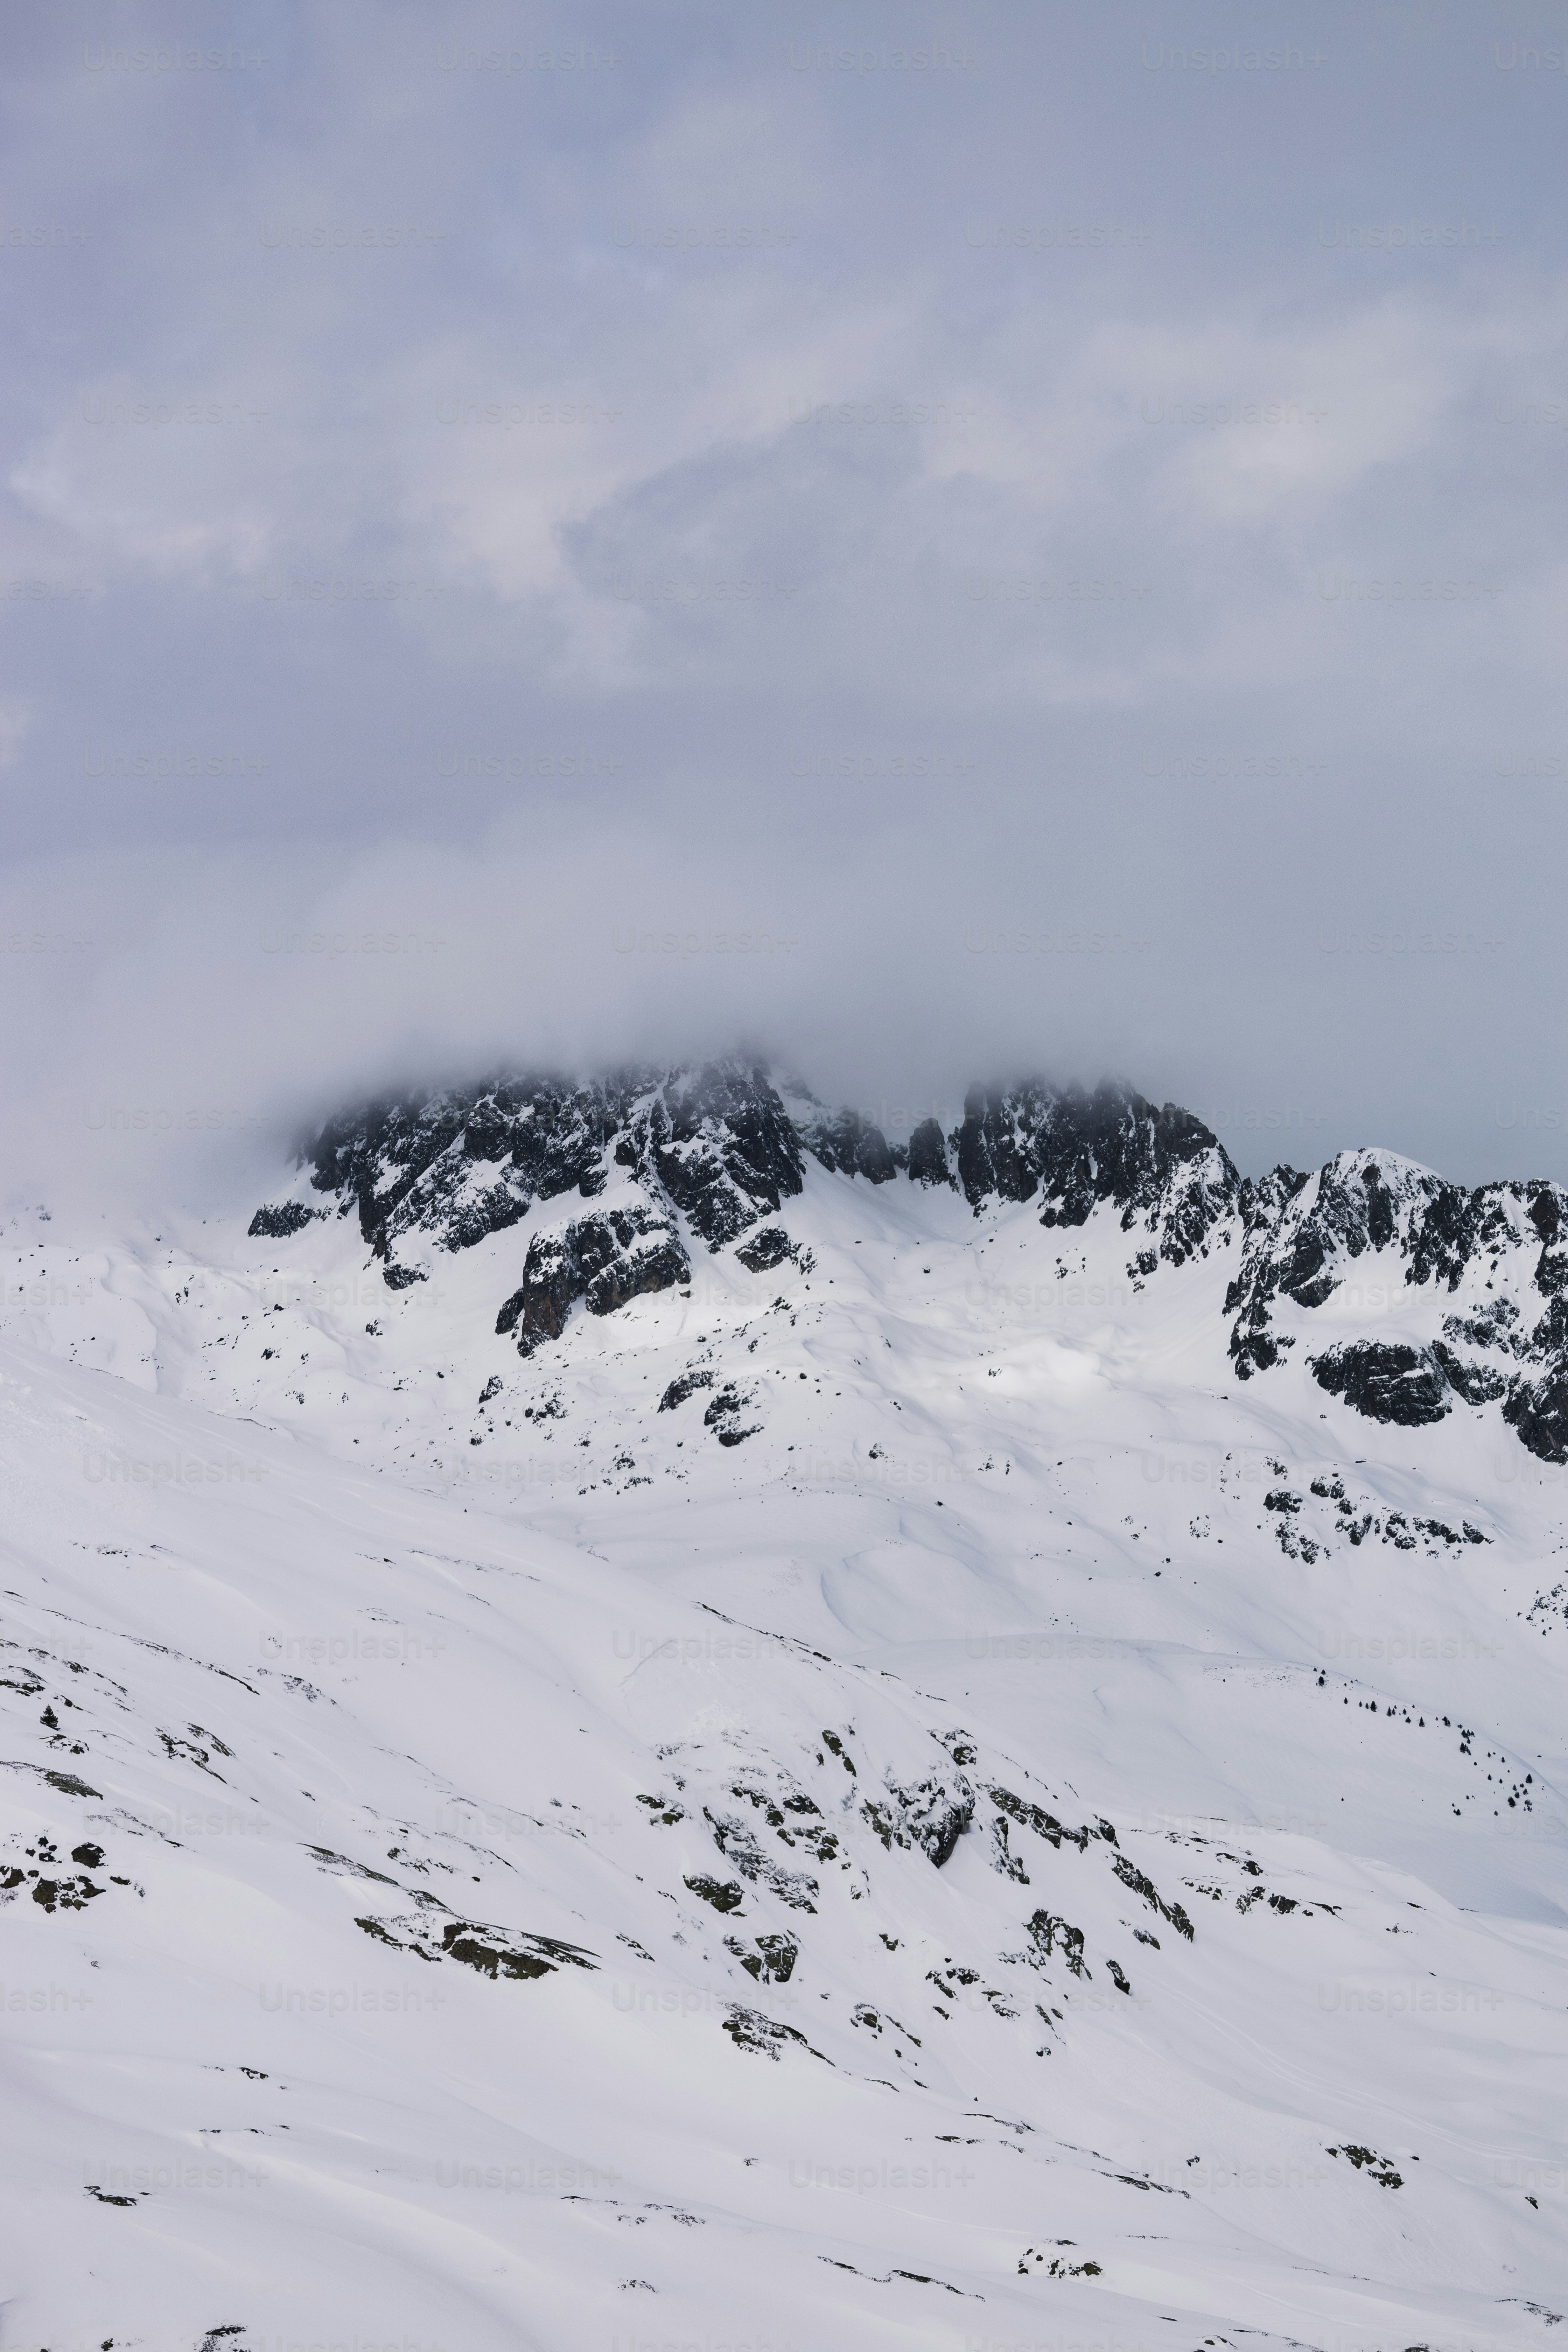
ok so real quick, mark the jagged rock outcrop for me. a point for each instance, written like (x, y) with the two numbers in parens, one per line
(706, 1151)
(1538, 1410)
(1303, 1232)
(843, 1141)
(468, 1162)
(1162, 1168)
(769, 1247)
(1397, 1383)
(718, 1145)
(935, 1811)
(726, 1415)
(605, 1260)
(927, 1156)
(707, 1154)
(1369, 1230)
(720, 1142)
(464, 1162)
(276, 1224)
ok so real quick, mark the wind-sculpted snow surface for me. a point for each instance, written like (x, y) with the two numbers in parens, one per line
(840, 1777)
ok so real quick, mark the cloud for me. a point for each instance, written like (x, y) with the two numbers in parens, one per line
(817, 505)
(14, 721)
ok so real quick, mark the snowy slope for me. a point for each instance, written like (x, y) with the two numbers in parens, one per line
(894, 1795)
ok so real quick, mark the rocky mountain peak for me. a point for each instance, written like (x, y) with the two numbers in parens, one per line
(702, 1155)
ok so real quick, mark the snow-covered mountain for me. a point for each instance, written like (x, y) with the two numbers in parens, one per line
(638, 1717)
(702, 1157)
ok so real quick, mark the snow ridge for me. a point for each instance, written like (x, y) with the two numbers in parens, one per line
(700, 1155)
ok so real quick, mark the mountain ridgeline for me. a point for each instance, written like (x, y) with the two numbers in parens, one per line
(668, 1162)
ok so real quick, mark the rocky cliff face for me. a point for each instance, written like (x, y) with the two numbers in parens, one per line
(1161, 1168)
(1304, 1232)
(702, 1156)
(1484, 1272)
(468, 1162)
(719, 1146)
(602, 1260)
(710, 1152)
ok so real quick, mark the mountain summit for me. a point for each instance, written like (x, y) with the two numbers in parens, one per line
(697, 1158)
(704, 1728)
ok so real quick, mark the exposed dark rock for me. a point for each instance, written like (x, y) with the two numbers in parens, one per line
(275, 1224)
(1390, 1383)
(726, 1415)
(1047, 1932)
(1551, 1271)
(605, 1260)
(464, 1162)
(1489, 1327)
(1074, 1149)
(1133, 1879)
(686, 1384)
(1301, 1231)
(847, 1144)
(1476, 1383)
(624, 1252)
(723, 1894)
(713, 1151)
(772, 1961)
(766, 1250)
(381, 1933)
(1377, 2167)
(1253, 1346)
(1545, 1211)
(65, 1893)
(341, 1866)
(1044, 1825)
(931, 1813)
(740, 1846)
(1539, 1412)
(1402, 1228)
(927, 1156)
(1004, 1859)
(524, 1955)
(722, 1145)
(747, 2029)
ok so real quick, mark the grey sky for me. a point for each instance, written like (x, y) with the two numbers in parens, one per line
(999, 535)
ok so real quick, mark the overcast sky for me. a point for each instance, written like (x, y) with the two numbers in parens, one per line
(931, 541)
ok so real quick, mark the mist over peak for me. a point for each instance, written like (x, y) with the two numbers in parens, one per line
(784, 1227)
